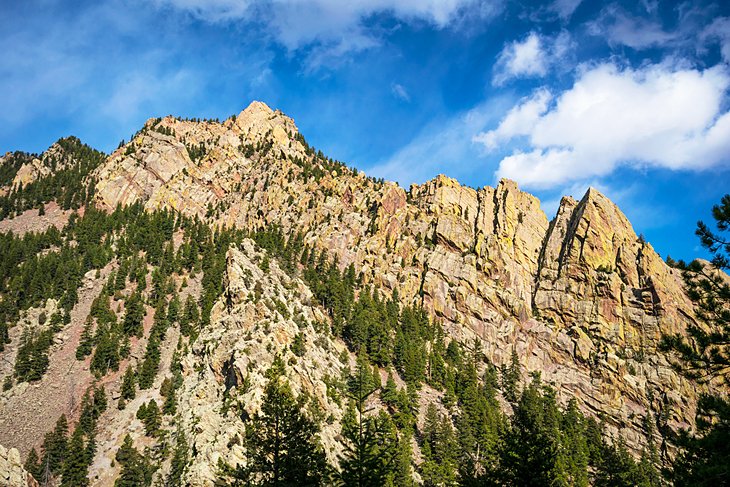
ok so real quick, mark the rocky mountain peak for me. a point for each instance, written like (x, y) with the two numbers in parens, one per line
(580, 298)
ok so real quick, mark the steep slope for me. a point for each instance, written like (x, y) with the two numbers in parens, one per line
(581, 299)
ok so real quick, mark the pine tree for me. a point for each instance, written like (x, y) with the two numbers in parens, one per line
(133, 315)
(54, 447)
(511, 378)
(705, 456)
(152, 418)
(389, 393)
(179, 461)
(282, 443)
(439, 449)
(128, 390)
(86, 343)
(574, 452)
(33, 464)
(190, 317)
(75, 466)
(371, 449)
(533, 443)
(136, 470)
(616, 467)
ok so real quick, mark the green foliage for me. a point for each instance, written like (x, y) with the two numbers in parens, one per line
(190, 317)
(511, 378)
(281, 442)
(76, 464)
(148, 369)
(196, 152)
(31, 361)
(533, 445)
(179, 461)
(86, 343)
(371, 449)
(66, 184)
(136, 469)
(128, 389)
(440, 450)
(705, 458)
(55, 447)
(705, 356)
(297, 347)
(152, 418)
(33, 465)
(133, 315)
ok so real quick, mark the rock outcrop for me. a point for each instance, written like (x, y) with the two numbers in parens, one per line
(581, 298)
(258, 318)
(12, 473)
(53, 159)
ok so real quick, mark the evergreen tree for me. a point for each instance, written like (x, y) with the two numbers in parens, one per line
(190, 317)
(33, 464)
(616, 468)
(133, 315)
(76, 464)
(31, 361)
(179, 461)
(371, 449)
(533, 449)
(136, 469)
(128, 390)
(152, 418)
(439, 449)
(572, 463)
(705, 356)
(54, 447)
(511, 378)
(282, 443)
(86, 343)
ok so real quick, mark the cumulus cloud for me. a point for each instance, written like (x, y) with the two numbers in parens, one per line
(531, 57)
(658, 115)
(519, 121)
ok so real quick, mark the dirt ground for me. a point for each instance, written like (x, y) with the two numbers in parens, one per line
(29, 221)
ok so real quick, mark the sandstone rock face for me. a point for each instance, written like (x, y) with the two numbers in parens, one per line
(225, 373)
(12, 473)
(581, 298)
(52, 159)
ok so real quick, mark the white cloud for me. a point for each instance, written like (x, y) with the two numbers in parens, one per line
(532, 57)
(718, 31)
(520, 119)
(658, 115)
(619, 27)
(565, 8)
(334, 26)
(400, 92)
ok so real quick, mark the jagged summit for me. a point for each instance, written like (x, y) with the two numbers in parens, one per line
(580, 298)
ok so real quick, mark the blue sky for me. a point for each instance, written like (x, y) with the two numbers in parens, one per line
(628, 97)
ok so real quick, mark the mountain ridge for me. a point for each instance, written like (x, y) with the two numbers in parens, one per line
(483, 235)
(581, 299)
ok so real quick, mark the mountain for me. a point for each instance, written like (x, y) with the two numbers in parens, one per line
(285, 254)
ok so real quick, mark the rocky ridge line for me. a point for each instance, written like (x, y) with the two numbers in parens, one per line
(581, 298)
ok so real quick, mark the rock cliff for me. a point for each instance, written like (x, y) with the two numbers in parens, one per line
(580, 297)
(12, 473)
